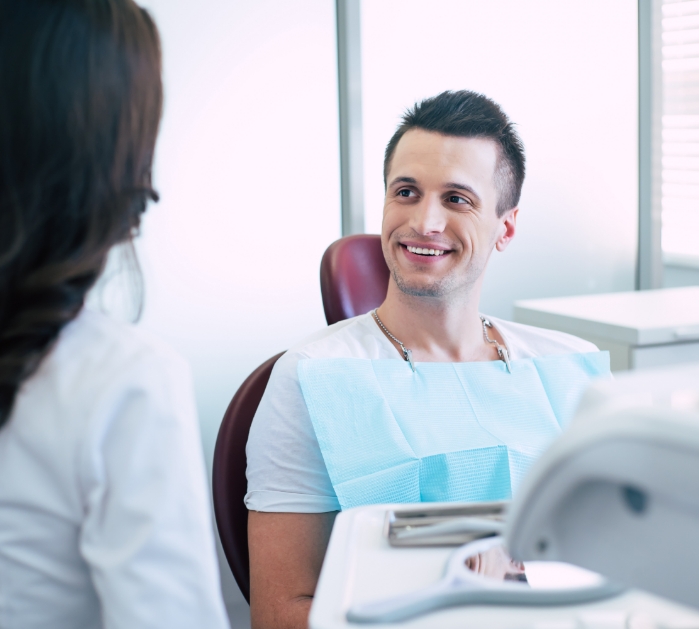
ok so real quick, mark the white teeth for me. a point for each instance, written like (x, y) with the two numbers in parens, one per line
(426, 252)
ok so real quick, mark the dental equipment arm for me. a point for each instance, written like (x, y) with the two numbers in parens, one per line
(618, 493)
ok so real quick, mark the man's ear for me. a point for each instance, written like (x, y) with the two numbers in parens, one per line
(508, 225)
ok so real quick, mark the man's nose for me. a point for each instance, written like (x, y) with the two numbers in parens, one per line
(429, 217)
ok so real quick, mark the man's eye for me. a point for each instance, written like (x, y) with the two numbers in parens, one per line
(404, 193)
(455, 199)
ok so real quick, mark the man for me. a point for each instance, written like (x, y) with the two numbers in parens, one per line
(453, 172)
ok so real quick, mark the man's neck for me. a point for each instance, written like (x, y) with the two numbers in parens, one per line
(437, 329)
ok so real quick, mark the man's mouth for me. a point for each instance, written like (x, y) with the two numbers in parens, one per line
(421, 251)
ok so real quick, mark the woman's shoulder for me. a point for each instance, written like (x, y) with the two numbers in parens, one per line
(96, 356)
(94, 336)
(101, 377)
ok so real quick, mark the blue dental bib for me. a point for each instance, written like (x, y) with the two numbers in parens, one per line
(446, 432)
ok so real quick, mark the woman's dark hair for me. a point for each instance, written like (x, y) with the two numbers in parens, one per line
(470, 115)
(80, 105)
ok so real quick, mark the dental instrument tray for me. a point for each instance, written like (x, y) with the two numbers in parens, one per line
(444, 525)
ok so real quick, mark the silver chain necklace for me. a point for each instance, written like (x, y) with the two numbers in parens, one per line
(502, 351)
(408, 354)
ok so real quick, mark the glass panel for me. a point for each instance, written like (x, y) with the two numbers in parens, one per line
(680, 127)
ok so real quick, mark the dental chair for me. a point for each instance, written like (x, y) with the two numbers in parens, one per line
(618, 493)
(353, 277)
(353, 281)
(229, 484)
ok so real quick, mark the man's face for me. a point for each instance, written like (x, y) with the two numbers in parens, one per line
(441, 196)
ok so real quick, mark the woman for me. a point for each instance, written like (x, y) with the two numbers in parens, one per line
(104, 514)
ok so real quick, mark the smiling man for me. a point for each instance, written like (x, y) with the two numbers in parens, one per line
(425, 398)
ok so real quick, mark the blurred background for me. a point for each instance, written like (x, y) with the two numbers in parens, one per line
(248, 163)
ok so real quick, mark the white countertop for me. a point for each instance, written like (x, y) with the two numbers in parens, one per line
(361, 566)
(650, 317)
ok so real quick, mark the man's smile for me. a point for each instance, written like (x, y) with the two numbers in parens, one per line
(426, 252)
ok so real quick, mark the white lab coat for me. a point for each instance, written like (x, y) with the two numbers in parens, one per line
(104, 512)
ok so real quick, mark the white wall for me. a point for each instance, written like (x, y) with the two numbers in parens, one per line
(566, 73)
(247, 166)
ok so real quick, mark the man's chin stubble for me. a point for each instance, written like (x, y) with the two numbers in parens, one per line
(436, 289)
(452, 284)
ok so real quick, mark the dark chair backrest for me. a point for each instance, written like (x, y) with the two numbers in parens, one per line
(353, 277)
(229, 481)
(353, 281)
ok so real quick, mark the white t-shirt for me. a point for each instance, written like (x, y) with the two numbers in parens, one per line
(104, 511)
(286, 471)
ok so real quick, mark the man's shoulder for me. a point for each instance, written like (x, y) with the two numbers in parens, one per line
(358, 337)
(528, 341)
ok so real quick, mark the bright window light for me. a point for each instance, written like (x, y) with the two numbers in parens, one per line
(680, 132)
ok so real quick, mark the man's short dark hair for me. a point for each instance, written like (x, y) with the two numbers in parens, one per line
(468, 114)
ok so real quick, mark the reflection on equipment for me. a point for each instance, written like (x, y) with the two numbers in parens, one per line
(618, 493)
(461, 586)
(480, 572)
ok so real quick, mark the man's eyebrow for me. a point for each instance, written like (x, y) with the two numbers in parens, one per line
(464, 187)
(410, 180)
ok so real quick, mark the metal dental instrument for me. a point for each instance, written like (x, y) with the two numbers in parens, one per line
(502, 351)
(468, 524)
(458, 523)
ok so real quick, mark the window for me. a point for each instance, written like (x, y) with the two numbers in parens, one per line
(680, 132)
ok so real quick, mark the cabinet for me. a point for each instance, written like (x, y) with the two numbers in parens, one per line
(640, 329)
